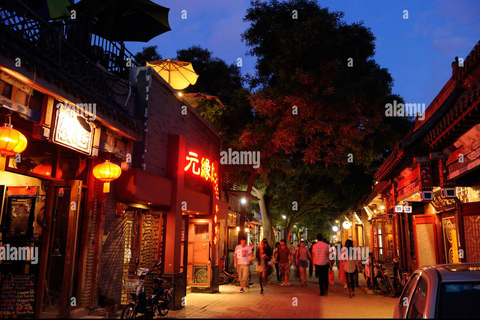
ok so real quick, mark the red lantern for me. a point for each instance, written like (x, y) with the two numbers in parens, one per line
(107, 172)
(46, 170)
(11, 142)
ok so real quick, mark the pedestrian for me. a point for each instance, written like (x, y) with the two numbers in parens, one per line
(310, 262)
(341, 270)
(350, 266)
(302, 256)
(285, 261)
(264, 254)
(242, 258)
(275, 261)
(320, 255)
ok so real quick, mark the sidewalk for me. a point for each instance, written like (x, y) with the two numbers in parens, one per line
(286, 302)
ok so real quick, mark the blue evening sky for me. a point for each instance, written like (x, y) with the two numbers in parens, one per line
(418, 51)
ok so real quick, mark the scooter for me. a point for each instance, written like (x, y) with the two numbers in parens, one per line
(158, 304)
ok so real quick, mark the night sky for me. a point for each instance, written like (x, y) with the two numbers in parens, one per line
(418, 51)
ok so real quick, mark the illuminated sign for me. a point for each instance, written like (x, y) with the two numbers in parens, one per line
(205, 168)
(216, 226)
(70, 133)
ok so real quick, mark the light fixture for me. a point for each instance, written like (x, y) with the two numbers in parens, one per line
(284, 217)
(336, 221)
(238, 229)
(247, 230)
(335, 228)
(243, 201)
(180, 94)
(46, 170)
(347, 225)
(84, 123)
(107, 172)
(382, 207)
(11, 142)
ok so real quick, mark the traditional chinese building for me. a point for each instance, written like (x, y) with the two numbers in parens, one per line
(74, 115)
(427, 196)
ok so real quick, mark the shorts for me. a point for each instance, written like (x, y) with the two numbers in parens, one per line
(284, 267)
(242, 270)
(303, 263)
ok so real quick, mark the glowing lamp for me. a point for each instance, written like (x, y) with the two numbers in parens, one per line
(11, 142)
(46, 170)
(335, 228)
(238, 229)
(347, 224)
(107, 172)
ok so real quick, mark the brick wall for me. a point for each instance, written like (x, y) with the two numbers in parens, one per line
(112, 253)
(164, 117)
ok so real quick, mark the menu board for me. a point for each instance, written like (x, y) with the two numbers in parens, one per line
(17, 297)
(19, 216)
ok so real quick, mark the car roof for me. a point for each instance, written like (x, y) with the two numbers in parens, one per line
(454, 271)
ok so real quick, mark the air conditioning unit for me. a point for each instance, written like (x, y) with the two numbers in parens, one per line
(427, 195)
(390, 216)
(448, 193)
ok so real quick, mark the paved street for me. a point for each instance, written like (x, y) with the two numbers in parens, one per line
(286, 302)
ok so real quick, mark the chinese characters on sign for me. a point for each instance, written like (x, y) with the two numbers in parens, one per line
(70, 133)
(203, 168)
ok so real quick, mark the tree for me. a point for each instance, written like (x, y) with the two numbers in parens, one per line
(319, 105)
(149, 53)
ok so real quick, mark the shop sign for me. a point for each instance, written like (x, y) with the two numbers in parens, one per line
(70, 133)
(441, 204)
(203, 167)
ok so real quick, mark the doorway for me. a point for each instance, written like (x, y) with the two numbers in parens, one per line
(198, 269)
(57, 275)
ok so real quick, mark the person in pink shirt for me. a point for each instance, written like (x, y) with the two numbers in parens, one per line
(321, 260)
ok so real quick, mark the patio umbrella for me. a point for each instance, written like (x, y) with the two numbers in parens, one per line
(125, 20)
(178, 74)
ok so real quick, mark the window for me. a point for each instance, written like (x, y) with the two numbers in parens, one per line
(403, 302)
(459, 300)
(419, 300)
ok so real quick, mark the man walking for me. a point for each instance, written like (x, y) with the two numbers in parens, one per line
(320, 255)
(284, 262)
(242, 257)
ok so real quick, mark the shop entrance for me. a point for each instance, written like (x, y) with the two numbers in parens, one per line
(62, 219)
(198, 268)
(469, 223)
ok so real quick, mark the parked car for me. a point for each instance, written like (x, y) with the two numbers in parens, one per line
(441, 291)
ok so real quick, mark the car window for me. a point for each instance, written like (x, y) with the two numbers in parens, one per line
(459, 300)
(403, 301)
(419, 300)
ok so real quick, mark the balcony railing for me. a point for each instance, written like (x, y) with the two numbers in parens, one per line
(83, 56)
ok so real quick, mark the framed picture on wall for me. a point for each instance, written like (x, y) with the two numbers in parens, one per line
(18, 217)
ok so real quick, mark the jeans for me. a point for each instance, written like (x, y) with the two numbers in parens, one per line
(322, 273)
(277, 271)
(350, 280)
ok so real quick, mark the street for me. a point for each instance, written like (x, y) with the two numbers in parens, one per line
(286, 302)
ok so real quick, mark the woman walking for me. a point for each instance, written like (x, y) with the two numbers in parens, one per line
(342, 278)
(350, 266)
(302, 256)
(275, 253)
(264, 254)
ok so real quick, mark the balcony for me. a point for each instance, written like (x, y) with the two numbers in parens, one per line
(66, 45)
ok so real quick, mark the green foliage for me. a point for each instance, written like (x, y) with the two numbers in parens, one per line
(149, 53)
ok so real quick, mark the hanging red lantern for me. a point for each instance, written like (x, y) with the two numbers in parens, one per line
(11, 142)
(46, 170)
(107, 172)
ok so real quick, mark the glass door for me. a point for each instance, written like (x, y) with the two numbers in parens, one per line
(62, 248)
(199, 271)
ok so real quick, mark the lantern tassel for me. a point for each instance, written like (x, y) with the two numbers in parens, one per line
(106, 187)
(3, 162)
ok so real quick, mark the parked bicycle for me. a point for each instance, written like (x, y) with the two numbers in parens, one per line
(158, 304)
(227, 277)
(382, 281)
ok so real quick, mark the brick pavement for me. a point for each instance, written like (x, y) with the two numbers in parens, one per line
(286, 302)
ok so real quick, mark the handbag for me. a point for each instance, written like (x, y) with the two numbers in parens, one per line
(331, 277)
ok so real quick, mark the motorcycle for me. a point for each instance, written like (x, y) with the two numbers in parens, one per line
(158, 304)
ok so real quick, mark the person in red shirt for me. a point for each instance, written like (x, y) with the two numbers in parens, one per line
(284, 262)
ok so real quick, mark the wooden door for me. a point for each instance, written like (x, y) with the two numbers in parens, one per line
(469, 225)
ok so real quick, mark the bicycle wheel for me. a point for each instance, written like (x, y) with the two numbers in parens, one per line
(223, 278)
(129, 312)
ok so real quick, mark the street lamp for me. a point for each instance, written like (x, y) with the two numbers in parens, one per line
(335, 228)
(284, 217)
(243, 200)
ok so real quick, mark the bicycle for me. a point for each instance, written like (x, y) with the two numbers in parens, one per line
(227, 277)
(385, 283)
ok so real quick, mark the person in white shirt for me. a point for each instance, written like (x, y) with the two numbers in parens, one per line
(243, 256)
